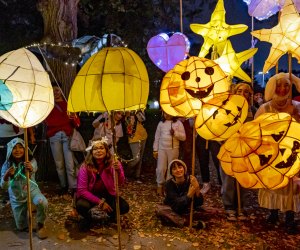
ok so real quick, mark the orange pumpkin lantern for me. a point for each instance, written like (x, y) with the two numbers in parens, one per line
(190, 83)
(221, 117)
(264, 152)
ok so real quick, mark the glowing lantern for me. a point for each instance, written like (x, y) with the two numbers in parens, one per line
(263, 9)
(221, 117)
(264, 153)
(112, 79)
(285, 37)
(230, 62)
(190, 83)
(26, 95)
(217, 30)
(165, 52)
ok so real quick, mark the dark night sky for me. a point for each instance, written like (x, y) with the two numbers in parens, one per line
(237, 13)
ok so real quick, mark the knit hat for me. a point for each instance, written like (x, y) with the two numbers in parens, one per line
(12, 144)
(179, 162)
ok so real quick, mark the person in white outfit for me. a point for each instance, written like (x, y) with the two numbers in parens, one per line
(169, 133)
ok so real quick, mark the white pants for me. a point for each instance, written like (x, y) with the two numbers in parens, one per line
(165, 156)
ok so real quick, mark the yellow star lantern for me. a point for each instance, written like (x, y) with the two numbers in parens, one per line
(115, 78)
(217, 30)
(26, 95)
(190, 83)
(285, 36)
(264, 153)
(221, 117)
(230, 62)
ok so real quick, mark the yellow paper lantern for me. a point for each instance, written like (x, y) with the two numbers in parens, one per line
(217, 31)
(230, 62)
(115, 78)
(264, 152)
(191, 82)
(26, 95)
(284, 37)
(221, 117)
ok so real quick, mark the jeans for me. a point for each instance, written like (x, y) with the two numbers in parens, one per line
(203, 156)
(63, 158)
(137, 149)
(229, 195)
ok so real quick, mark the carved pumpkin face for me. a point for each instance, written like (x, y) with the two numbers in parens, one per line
(264, 153)
(190, 83)
(221, 117)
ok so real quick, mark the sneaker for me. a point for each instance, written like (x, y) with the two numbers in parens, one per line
(200, 225)
(205, 187)
(42, 233)
(231, 217)
(291, 228)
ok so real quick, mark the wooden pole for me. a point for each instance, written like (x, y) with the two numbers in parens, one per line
(193, 173)
(116, 178)
(28, 190)
(238, 192)
(181, 23)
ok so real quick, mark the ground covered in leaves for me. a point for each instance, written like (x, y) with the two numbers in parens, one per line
(141, 229)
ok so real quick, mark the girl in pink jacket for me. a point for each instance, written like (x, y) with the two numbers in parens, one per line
(95, 183)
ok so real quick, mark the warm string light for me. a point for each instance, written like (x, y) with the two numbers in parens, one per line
(59, 44)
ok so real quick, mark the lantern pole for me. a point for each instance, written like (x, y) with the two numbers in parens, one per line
(290, 65)
(252, 65)
(116, 177)
(181, 25)
(28, 190)
(238, 193)
(193, 173)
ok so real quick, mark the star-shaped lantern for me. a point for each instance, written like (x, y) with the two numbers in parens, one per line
(230, 62)
(285, 36)
(217, 30)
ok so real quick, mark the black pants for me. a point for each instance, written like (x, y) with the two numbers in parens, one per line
(203, 156)
(83, 206)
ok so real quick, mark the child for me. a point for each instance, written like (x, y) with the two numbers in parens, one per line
(180, 190)
(13, 177)
(166, 147)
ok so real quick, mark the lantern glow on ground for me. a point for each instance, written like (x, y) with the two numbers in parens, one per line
(217, 31)
(115, 78)
(26, 95)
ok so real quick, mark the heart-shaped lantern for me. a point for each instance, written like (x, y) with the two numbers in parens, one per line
(165, 52)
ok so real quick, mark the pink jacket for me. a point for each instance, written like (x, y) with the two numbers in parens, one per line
(87, 178)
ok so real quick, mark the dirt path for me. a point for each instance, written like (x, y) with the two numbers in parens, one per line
(143, 230)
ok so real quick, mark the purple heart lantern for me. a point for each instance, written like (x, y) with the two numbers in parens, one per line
(165, 52)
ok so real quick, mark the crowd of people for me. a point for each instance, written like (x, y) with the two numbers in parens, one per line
(92, 186)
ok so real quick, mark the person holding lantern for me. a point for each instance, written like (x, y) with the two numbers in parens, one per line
(229, 184)
(180, 190)
(168, 134)
(96, 186)
(13, 177)
(278, 94)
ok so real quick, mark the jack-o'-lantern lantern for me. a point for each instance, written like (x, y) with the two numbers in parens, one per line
(190, 83)
(221, 117)
(264, 152)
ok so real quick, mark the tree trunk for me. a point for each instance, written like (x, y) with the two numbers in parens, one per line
(60, 26)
